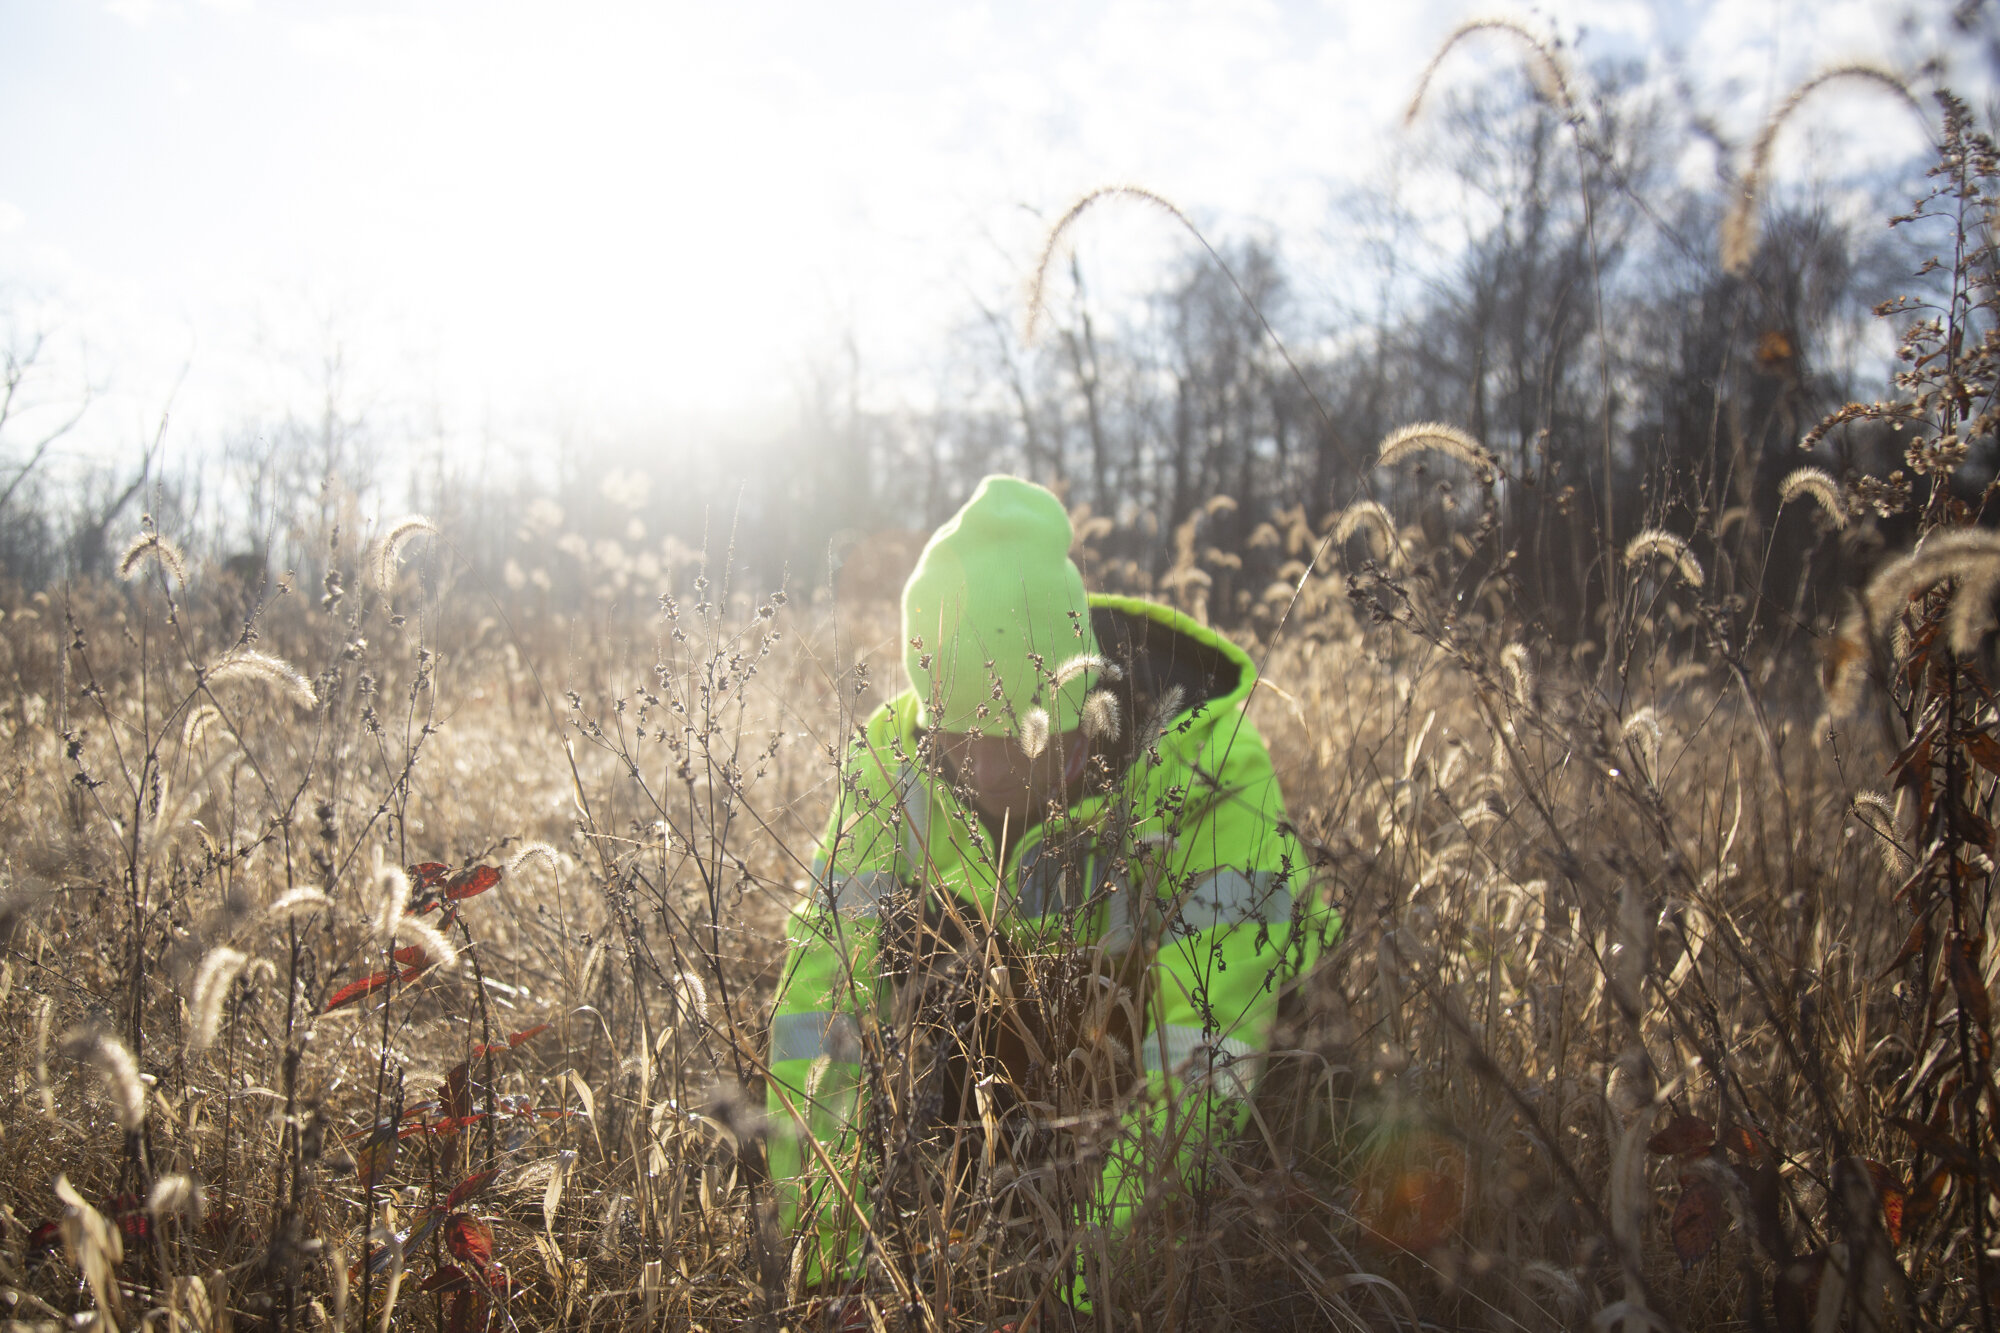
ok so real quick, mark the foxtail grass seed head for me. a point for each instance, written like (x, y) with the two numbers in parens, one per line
(1051, 247)
(174, 1195)
(94, 1245)
(1875, 811)
(150, 549)
(1087, 662)
(274, 673)
(1820, 487)
(1520, 673)
(1101, 721)
(114, 1063)
(1432, 437)
(1847, 661)
(1971, 618)
(1740, 225)
(1657, 543)
(528, 853)
(1642, 735)
(200, 719)
(1545, 68)
(389, 549)
(392, 898)
(1034, 736)
(438, 951)
(1371, 519)
(1961, 555)
(212, 980)
(297, 902)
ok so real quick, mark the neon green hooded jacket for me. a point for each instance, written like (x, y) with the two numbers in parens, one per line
(1201, 822)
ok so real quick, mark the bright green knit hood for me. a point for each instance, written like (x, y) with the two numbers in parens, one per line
(994, 608)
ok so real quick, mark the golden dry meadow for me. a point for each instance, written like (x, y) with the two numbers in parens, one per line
(391, 943)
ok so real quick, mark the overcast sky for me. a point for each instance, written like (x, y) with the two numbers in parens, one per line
(503, 212)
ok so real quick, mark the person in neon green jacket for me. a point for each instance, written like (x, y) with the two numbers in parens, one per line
(1068, 777)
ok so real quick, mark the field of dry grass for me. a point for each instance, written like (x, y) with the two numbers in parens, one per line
(402, 955)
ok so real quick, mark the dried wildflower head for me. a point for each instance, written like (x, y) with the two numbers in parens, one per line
(1371, 519)
(149, 548)
(1820, 487)
(1661, 544)
(272, 672)
(389, 548)
(1101, 721)
(1433, 437)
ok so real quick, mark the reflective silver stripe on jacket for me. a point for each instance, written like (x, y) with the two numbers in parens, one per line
(808, 1036)
(914, 836)
(1184, 1051)
(857, 897)
(1231, 898)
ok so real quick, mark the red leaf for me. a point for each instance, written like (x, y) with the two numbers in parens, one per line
(429, 875)
(1891, 1193)
(412, 974)
(356, 990)
(47, 1236)
(1697, 1218)
(471, 880)
(372, 1163)
(462, 1311)
(450, 1278)
(411, 955)
(1684, 1135)
(458, 1090)
(470, 1187)
(469, 1240)
(516, 1038)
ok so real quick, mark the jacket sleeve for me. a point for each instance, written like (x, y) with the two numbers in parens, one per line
(1226, 876)
(826, 998)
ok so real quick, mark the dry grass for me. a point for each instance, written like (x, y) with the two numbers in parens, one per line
(410, 965)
